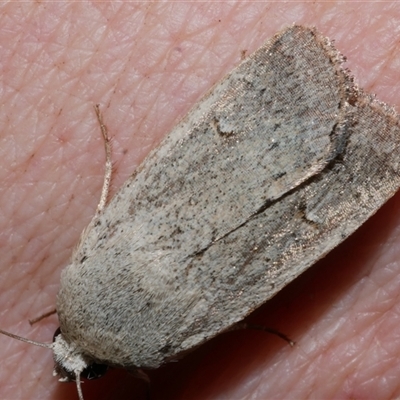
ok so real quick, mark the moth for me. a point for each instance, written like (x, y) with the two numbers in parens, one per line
(280, 162)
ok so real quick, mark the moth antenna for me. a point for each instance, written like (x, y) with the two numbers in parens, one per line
(78, 385)
(108, 167)
(22, 339)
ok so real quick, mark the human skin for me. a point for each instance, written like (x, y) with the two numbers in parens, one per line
(146, 64)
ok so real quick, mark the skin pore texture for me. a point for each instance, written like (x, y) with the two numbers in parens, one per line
(146, 65)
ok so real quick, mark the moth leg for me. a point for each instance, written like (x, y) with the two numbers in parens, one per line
(245, 325)
(40, 317)
(141, 375)
(108, 165)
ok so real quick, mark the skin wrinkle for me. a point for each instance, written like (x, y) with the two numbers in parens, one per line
(122, 122)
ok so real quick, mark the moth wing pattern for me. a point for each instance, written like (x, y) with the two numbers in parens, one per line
(273, 168)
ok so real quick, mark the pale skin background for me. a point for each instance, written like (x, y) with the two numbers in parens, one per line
(147, 64)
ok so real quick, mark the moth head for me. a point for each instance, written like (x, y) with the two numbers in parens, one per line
(71, 364)
(69, 361)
